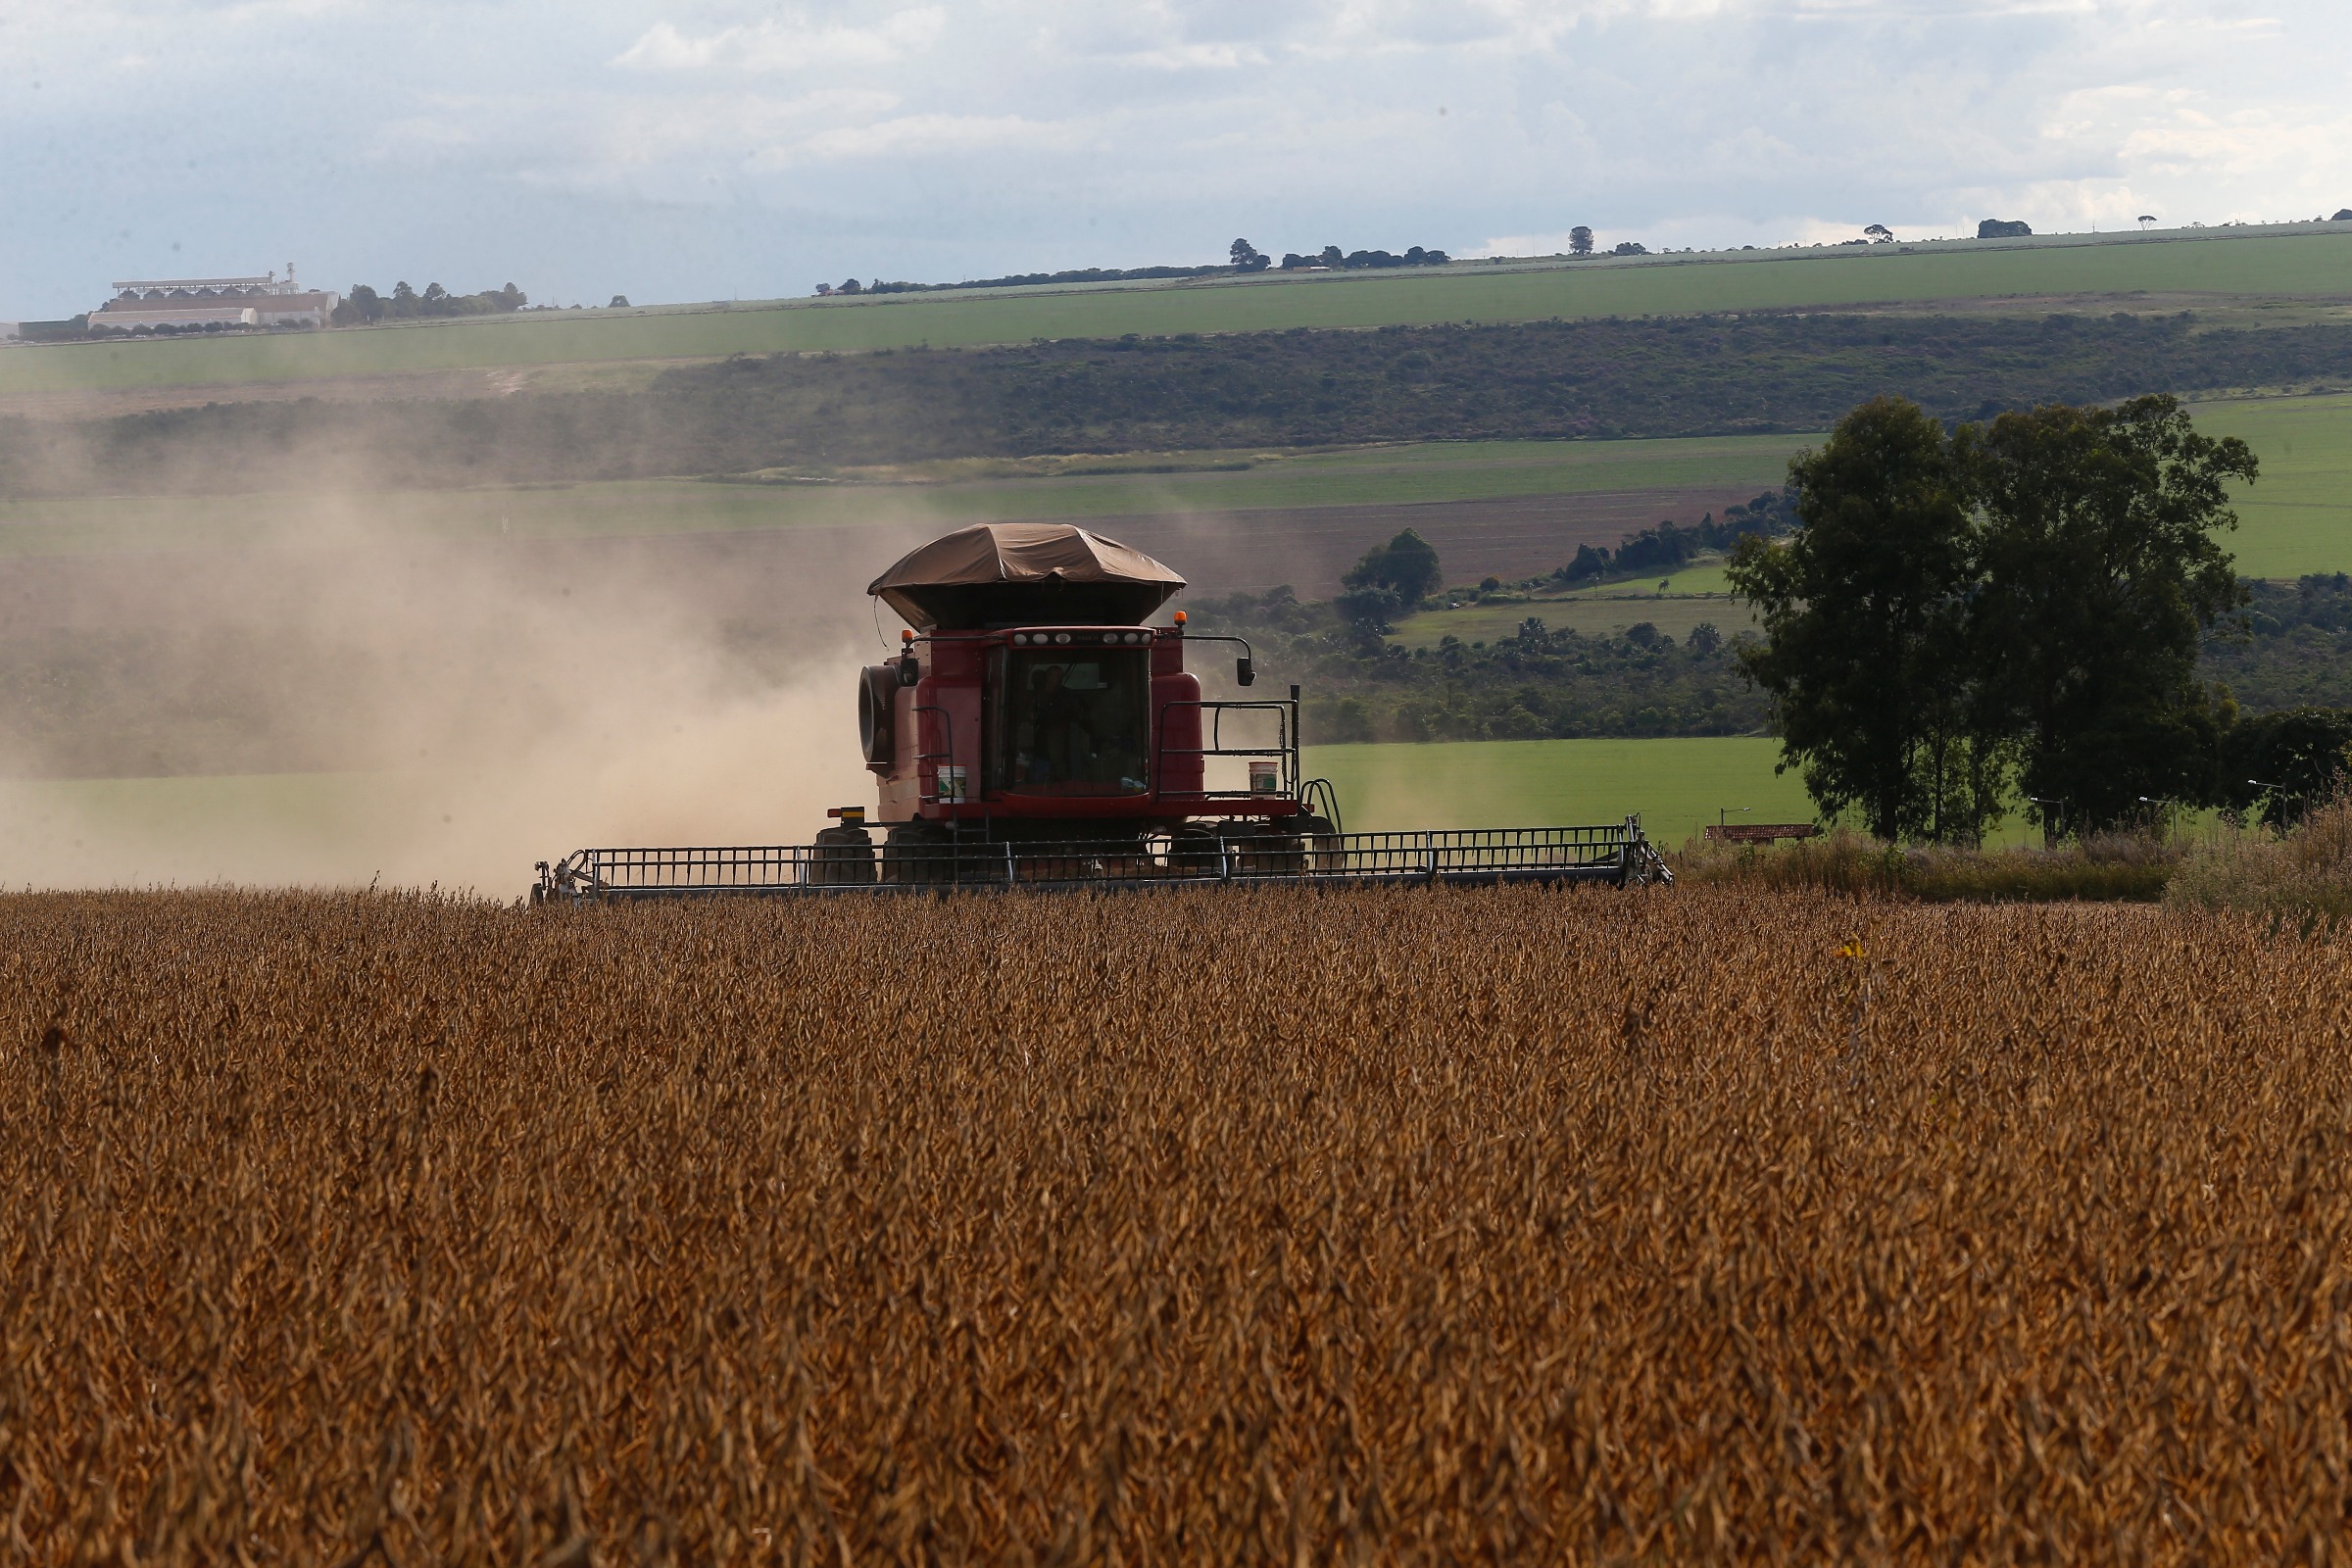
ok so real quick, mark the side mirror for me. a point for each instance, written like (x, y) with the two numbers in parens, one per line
(910, 670)
(1244, 673)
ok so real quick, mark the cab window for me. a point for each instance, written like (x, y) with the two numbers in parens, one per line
(1071, 722)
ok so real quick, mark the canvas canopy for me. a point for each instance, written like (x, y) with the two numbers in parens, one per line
(1024, 573)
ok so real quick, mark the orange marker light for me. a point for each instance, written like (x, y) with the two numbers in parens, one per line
(905, 634)
(1180, 617)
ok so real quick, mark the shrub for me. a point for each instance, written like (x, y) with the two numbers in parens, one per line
(2117, 868)
(2306, 875)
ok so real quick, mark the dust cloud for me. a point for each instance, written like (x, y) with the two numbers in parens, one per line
(339, 704)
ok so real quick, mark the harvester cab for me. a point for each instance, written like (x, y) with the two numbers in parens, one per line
(1033, 703)
(1036, 728)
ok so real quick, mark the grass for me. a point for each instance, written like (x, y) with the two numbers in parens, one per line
(1677, 785)
(2296, 263)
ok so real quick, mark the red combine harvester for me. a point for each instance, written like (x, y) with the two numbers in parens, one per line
(1036, 731)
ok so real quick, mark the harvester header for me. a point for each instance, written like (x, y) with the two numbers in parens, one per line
(1036, 729)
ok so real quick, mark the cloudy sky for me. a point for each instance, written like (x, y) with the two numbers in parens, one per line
(706, 150)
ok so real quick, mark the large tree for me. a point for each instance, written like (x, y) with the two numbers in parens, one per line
(1406, 565)
(1388, 582)
(1865, 617)
(2101, 571)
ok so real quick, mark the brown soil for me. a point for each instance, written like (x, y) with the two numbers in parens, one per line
(1309, 547)
(738, 572)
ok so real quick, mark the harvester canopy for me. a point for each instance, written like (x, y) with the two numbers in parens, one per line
(1012, 573)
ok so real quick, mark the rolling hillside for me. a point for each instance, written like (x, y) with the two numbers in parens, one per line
(2293, 262)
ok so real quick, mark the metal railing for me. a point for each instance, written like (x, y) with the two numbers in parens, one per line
(1283, 753)
(1617, 853)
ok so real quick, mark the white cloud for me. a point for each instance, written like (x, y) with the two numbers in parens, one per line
(939, 141)
(777, 46)
(913, 135)
(1198, 57)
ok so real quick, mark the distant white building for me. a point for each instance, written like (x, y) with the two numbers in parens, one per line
(182, 303)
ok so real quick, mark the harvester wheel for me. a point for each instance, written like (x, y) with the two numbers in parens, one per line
(917, 855)
(1193, 852)
(845, 857)
(1264, 848)
(1321, 842)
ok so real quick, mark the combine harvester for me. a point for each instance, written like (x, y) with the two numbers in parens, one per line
(1035, 732)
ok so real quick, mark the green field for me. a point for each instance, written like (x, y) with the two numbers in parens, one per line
(1373, 476)
(2297, 517)
(2296, 262)
(1702, 577)
(1677, 785)
(1594, 617)
(343, 828)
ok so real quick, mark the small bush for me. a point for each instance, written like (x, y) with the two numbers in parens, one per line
(2307, 873)
(2113, 869)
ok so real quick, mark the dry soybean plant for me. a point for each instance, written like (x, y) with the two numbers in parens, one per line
(1385, 1226)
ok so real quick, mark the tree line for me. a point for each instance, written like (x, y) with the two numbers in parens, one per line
(2292, 648)
(1669, 545)
(1970, 620)
(1075, 274)
(1585, 379)
(1302, 388)
(1580, 245)
(1241, 257)
(1535, 682)
(362, 306)
(1332, 259)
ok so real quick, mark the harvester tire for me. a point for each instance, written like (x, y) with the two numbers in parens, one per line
(1264, 848)
(1321, 842)
(845, 857)
(1193, 852)
(917, 855)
